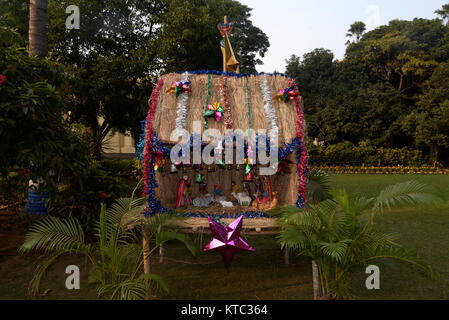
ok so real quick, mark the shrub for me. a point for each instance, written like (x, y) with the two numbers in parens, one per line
(128, 169)
(13, 187)
(81, 196)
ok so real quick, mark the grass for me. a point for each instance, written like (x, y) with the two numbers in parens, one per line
(263, 274)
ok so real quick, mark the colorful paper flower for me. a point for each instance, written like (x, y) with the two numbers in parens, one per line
(286, 94)
(179, 87)
(215, 110)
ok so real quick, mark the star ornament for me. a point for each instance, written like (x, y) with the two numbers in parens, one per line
(226, 240)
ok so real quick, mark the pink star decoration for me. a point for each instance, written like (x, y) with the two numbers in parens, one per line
(226, 240)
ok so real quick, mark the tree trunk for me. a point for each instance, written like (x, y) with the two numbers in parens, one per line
(146, 257)
(316, 281)
(435, 156)
(38, 28)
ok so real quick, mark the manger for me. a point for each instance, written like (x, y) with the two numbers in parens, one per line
(224, 102)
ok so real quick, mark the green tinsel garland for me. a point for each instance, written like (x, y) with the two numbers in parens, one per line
(209, 82)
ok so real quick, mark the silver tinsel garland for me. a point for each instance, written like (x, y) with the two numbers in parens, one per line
(268, 105)
(182, 105)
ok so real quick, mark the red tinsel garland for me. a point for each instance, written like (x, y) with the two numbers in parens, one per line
(300, 133)
(149, 134)
(225, 103)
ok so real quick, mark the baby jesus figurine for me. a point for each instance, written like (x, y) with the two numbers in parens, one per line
(205, 199)
(218, 196)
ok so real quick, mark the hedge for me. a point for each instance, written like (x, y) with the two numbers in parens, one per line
(364, 154)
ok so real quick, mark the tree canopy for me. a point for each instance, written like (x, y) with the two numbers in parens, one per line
(389, 88)
(122, 47)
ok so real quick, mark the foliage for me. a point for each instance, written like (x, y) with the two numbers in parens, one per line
(365, 153)
(356, 31)
(429, 123)
(318, 186)
(116, 260)
(192, 26)
(34, 134)
(81, 195)
(338, 235)
(13, 187)
(129, 169)
(380, 86)
(443, 12)
(124, 46)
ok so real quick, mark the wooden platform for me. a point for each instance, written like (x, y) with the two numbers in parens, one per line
(260, 226)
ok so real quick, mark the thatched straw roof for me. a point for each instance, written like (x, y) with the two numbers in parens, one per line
(236, 89)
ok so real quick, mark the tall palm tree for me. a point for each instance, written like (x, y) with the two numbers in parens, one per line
(339, 234)
(444, 13)
(38, 27)
(356, 31)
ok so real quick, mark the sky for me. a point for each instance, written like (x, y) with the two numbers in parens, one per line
(300, 26)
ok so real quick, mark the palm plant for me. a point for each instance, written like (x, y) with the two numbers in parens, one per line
(116, 261)
(318, 186)
(356, 31)
(340, 236)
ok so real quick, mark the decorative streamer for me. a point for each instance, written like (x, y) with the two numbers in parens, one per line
(281, 123)
(141, 144)
(148, 160)
(268, 105)
(182, 104)
(302, 154)
(248, 104)
(161, 106)
(225, 102)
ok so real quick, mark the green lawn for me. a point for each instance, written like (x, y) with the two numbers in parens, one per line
(263, 275)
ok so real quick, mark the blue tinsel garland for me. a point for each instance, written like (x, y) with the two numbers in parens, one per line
(154, 206)
(141, 144)
(236, 75)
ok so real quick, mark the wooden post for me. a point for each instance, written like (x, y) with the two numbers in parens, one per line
(286, 256)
